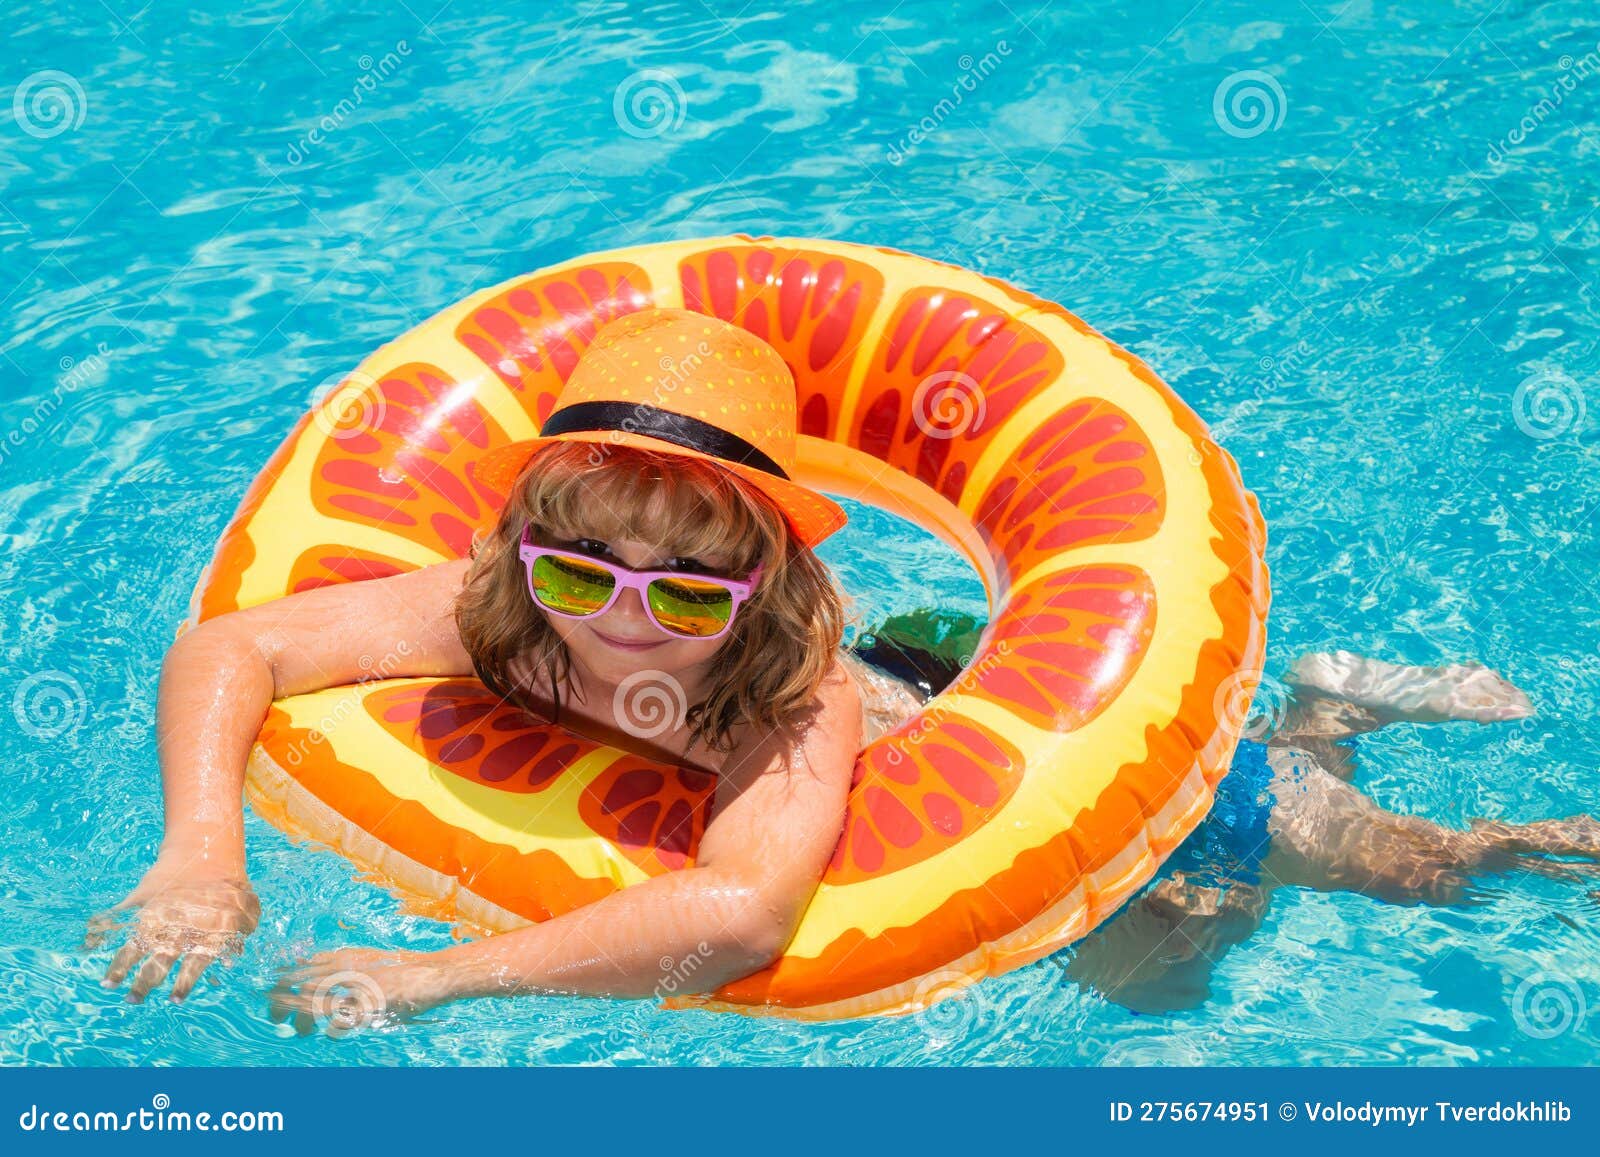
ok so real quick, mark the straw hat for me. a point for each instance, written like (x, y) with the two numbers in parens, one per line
(679, 382)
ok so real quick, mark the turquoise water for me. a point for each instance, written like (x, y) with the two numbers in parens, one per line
(1375, 282)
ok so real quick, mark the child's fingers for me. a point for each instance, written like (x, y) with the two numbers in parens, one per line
(195, 963)
(320, 966)
(97, 928)
(294, 1009)
(127, 956)
(286, 1004)
(108, 920)
(151, 973)
(1557, 869)
(278, 997)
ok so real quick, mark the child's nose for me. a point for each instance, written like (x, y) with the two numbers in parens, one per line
(629, 608)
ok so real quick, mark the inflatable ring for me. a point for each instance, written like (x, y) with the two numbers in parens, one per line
(1122, 557)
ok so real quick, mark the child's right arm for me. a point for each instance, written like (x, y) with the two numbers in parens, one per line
(217, 682)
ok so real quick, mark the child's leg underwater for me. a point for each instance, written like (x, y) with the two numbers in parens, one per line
(1329, 836)
(1392, 693)
(1339, 694)
(1159, 953)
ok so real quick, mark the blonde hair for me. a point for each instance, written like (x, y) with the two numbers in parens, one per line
(783, 639)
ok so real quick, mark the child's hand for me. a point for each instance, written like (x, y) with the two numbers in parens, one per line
(183, 914)
(356, 988)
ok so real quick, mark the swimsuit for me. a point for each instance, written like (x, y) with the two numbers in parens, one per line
(924, 669)
(1232, 840)
(887, 701)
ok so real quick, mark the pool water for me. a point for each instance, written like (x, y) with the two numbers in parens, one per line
(1360, 241)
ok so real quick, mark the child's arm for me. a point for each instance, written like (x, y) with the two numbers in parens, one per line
(777, 819)
(217, 682)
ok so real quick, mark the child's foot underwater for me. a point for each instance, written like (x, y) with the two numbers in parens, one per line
(1393, 693)
(1324, 834)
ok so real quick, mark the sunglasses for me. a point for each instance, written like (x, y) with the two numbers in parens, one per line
(690, 606)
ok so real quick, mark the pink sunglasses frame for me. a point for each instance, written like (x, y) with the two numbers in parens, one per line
(629, 579)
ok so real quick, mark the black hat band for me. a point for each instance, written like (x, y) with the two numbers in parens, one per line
(679, 429)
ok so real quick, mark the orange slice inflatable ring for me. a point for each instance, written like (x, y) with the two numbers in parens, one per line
(1122, 556)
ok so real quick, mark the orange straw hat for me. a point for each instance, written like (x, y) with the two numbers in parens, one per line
(679, 382)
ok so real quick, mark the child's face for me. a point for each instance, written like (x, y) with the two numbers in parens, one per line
(599, 642)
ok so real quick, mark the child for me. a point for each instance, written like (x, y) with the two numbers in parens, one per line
(652, 528)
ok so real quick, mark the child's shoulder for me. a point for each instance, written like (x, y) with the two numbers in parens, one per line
(837, 706)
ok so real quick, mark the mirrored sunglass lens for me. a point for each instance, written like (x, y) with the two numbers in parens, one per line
(691, 606)
(566, 584)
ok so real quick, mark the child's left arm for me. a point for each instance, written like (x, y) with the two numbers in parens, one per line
(777, 818)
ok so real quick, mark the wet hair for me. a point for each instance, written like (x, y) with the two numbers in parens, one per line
(783, 640)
